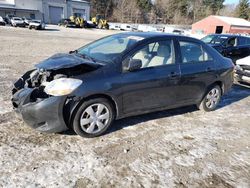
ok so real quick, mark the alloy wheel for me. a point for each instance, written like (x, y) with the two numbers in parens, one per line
(212, 98)
(94, 118)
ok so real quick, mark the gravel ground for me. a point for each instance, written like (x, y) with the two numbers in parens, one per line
(175, 148)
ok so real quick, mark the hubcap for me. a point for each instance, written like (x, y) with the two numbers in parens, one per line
(212, 98)
(94, 118)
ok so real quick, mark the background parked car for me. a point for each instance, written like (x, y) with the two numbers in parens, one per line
(242, 71)
(126, 27)
(178, 32)
(8, 18)
(26, 21)
(2, 22)
(114, 26)
(146, 28)
(36, 24)
(66, 23)
(89, 24)
(17, 22)
(232, 46)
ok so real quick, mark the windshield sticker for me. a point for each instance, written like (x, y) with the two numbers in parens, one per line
(224, 37)
(135, 38)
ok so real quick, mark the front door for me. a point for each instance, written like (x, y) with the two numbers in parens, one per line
(155, 84)
(232, 50)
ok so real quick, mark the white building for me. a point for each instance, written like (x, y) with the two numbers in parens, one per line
(50, 11)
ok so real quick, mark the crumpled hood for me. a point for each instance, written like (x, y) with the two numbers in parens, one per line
(244, 61)
(62, 61)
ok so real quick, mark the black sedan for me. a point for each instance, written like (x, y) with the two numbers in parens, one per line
(232, 46)
(119, 76)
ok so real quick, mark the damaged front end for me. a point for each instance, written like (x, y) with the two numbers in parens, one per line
(39, 96)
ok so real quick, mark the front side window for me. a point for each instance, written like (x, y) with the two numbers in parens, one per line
(156, 54)
(193, 52)
(232, 42)
(215, 39)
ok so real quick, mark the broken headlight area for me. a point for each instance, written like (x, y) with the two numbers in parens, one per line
(51, 82)
(34, 79)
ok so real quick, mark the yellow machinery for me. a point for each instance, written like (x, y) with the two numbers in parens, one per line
(78, 20)
(100, 22)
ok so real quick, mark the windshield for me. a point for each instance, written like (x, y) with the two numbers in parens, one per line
(108, 48)
(214, 39)
(17, 19)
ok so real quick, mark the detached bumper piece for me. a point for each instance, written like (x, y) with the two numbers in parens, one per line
(44, 114)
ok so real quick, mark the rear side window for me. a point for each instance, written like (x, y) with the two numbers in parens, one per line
(193, 52)
(248, 41)
(242, 41)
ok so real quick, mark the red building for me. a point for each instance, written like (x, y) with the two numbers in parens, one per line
(221, 24)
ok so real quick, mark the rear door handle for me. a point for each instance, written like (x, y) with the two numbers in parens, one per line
(173, 74)
(209, 69)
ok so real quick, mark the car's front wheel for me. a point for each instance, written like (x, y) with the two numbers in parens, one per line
(211, 99)
(93, 117)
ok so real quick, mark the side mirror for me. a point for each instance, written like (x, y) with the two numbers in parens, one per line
(134, 64)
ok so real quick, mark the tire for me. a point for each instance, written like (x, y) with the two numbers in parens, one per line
(87, 122)
(211, 99)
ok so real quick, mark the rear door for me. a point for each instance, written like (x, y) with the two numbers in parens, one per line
(197, 71)
(244, 46)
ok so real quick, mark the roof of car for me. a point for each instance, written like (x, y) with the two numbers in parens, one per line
(150, 34)
(227, 35)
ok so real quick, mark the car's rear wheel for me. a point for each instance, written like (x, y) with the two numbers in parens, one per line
(93, 117)
(211, 99)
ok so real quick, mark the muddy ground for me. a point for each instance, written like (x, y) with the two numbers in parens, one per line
(175, 148)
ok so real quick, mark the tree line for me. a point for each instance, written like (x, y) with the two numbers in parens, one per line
(166, 11)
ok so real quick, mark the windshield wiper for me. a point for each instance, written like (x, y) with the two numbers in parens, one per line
(85, 56)
(73, 52)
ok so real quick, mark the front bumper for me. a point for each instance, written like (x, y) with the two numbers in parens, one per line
(44, 114)
(19, 24)
(242, 75)
(38, 27)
